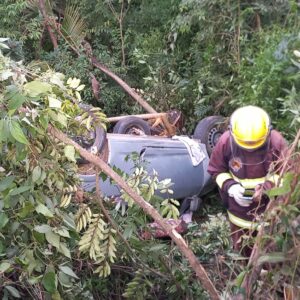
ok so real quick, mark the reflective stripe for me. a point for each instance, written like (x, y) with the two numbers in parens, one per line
(252, 183)
(221, 178)
(249, 184)
(241, 222)
(274, 178)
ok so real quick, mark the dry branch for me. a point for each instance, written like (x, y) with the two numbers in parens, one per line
(148, 209)
(123, 85)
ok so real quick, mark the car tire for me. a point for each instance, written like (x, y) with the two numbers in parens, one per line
(129, 124)
(97, 146)
(209, 130)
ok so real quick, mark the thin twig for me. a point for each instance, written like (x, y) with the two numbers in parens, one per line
(256, 252)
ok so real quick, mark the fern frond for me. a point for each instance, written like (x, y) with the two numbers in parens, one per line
(137, 287)
(108, 250)
(93, 237)
(73, 26)
(83, 217)
(169, 208)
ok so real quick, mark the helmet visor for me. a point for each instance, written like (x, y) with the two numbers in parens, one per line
(250, 144)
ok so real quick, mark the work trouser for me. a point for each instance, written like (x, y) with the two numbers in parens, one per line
(241, 245)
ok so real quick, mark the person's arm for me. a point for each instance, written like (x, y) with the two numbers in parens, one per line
(218, 164)
(218, 168)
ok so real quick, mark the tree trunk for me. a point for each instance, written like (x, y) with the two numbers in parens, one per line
(148, 209)
(44, 14)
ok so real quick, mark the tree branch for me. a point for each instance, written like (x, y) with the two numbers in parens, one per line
(44, 14)
(123, 85)
(112, 75)
(252, 276)
(148, 209)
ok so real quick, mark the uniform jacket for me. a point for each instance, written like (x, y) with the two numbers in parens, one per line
(230, 164)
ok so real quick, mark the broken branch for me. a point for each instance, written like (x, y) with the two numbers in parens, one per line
(148, 209)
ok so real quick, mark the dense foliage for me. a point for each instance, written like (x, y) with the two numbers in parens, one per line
(202, 57)
(50, 234)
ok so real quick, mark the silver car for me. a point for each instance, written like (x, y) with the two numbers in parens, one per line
(170, 157)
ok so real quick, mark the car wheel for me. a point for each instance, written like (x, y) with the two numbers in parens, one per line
(99, 139)
(132, 125)
(209, 130)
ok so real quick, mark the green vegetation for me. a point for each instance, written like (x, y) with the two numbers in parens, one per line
(201, 57)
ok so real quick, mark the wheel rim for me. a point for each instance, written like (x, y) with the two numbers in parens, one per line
(135, 131)
(213, 137)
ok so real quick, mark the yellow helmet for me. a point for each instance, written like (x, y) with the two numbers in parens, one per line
(250, 127)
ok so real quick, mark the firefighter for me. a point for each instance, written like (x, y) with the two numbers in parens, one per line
(241, 164)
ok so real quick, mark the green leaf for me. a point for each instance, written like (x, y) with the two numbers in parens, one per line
(17, 133)
(16, 101)
(36, 173)
(64, 279)
(69, 221)
(275, 257)
(53, 102)
(80, 88)
(44, 210)
(4, 130)
(58, 79)
(284, 188)
(44, 120)
(70, 153)
(63, 232)
(64, 250)
(34, 280)
(50, 282)
(42, 228)
(239, 279)
(3, 46)
(62, 119)
(157, 248)
(73, 82)
(278, 191)
(19, 190)
(13, 291)
(58, 117)
(53, 239)
(4, 266)
(35, 88)
(3, 220)
(32, 263)
(6, 182)
(27, 209)
(56, 296)
(67, 270)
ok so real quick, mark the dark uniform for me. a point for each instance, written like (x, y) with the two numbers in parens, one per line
(230, 164)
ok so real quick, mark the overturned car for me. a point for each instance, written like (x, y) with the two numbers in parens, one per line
(182, 159)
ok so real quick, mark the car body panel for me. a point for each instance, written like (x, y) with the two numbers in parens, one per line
(168, 157)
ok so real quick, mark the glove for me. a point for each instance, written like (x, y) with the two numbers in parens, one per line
(236, 191)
